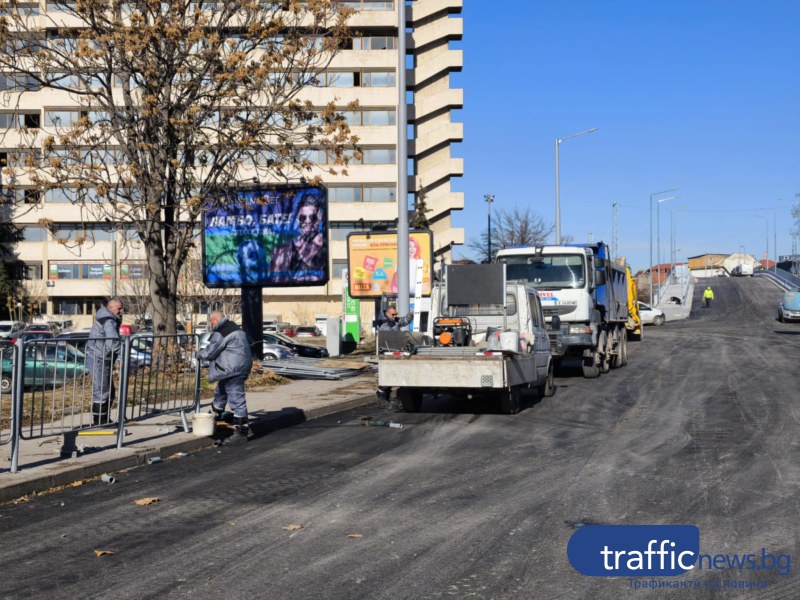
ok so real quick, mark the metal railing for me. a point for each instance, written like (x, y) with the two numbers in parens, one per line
(783, 278)
(8, 353)
(52, 387)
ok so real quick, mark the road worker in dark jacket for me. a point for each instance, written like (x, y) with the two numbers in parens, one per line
(102, 351)
(230, 360)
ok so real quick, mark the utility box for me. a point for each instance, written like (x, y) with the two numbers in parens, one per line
(333, 339)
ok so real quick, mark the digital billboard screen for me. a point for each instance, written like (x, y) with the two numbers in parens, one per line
(372, 263)
(271, 237)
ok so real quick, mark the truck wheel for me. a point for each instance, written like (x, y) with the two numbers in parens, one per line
(509, 401)
(623, 351)
(604, 349)
(547, 389)
(615, 358)
(591, 366)
(411, 399)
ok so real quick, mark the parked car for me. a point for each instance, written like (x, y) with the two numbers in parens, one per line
(46, 364)
(36, 335)
(304, 350)
(283, 328)
(310, 331)
(76, 338)
(51, 327)
(11, 329)
(789, 308)
(650, 315)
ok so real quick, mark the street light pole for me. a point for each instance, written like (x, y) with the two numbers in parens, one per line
(558, 192)
(651, 237)
(658, 240)
(489, 199)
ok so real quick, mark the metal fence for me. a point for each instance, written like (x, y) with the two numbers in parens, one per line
(52, 387)
(7, 352)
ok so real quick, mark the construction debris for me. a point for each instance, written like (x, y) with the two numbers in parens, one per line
(316, 368)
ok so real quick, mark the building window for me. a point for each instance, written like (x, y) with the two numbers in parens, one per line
(378, 156)
(61, 118)
(65, 270)
(18, 83)
(33, 233)
(378, 117)
(375, 42)
(32, 271)
(378, 79)
(362, 193)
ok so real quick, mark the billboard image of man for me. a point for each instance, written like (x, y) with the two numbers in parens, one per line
(305, 256)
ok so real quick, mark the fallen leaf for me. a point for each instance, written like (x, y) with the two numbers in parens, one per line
(20, 500)
(357, 536)
(146, 501)
(103, 552)
(292, 527)
(77, 483)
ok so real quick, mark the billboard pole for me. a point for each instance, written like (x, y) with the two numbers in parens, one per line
(402, 166)
(252, 319)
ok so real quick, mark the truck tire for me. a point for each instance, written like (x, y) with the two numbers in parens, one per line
(604, 348)
(623, 350)
(591, 366)
(410, 399)
(509, 400)
(547, 389)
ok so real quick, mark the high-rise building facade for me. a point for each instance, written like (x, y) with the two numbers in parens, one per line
(64, 281)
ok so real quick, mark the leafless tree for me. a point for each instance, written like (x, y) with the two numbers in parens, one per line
(180, 101)
(511, 228)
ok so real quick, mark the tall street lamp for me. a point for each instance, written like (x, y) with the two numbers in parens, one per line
(658, 240)
(673, 242)
(766, 230)
(489, 199)
(651, 237)
(558, 193)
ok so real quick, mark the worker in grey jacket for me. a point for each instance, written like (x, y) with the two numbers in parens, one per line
(389, 321)
(102, 351)
(230, 360)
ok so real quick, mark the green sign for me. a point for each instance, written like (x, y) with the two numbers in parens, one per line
(352, 313)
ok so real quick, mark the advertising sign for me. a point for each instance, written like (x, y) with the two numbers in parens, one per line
(271, 237)
(372, 263)
(352, 313)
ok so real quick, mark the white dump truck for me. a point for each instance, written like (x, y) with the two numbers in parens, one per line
(485, 337)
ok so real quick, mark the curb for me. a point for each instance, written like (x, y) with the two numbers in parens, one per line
(95, 465)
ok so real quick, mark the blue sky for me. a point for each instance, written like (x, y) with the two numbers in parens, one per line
(699, 95)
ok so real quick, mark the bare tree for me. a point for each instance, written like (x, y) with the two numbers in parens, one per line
(179, 102)
(514, 228)
(192, 291)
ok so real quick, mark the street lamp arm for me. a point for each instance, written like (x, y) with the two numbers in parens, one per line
(592, 130)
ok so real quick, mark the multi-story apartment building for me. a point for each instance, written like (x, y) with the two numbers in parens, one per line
(68, 282)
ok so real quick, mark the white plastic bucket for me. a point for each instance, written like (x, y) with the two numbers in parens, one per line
(204, 424)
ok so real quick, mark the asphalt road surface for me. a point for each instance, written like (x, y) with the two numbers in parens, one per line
(701, 428)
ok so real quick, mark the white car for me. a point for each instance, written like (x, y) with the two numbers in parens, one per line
(650, 315)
